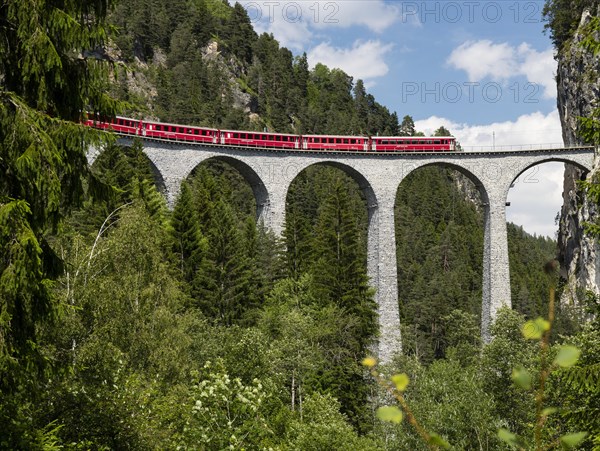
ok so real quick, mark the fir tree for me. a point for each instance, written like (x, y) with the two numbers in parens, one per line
(340, 269)
(407, 127)
(49, 79)
(189, 244)
(224, 281)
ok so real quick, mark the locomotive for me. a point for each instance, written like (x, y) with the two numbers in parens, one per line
(282, 141)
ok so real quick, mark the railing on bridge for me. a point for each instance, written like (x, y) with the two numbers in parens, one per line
(521, 147)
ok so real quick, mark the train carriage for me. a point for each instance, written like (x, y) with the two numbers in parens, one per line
(413, 144)
(122, 125)
(259, 139)
(341, 143)
(162, 130)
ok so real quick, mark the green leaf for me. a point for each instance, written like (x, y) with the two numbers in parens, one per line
(400, 381)
(567, 356)
(391, 414)
(570, 441)
(508, 437)
(534, 330)
(435, 439)
(549, 411)
(521, 378)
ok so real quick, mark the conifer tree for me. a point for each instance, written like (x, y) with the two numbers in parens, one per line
(189, 244)
(224, 280)
(340, 270)
(51, 75)
(407, 127)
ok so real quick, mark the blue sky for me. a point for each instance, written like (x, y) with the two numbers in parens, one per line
(483, 69)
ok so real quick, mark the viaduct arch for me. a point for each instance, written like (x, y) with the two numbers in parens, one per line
(270, 174)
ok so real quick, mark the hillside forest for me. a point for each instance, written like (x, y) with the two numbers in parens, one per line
(128, 325)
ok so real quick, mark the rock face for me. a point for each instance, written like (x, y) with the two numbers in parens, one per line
(578, 95)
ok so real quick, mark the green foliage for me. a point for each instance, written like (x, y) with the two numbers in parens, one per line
(509, 350)
(226, 413)
(439, 238)
(224, 281)
(563, 17)
(576, 388)
(48, 80)
(323, 427)
(529, 284)
(328, 241)
(189, 243)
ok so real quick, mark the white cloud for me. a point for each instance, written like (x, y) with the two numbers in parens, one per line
(295, 23)
(501, 62)
(364, 60)
(481, 59)
(376, 15)
(533, 129)
(539, 68)
(537, 194)
(536, 198)
(294, 35)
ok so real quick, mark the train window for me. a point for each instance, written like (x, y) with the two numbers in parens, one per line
(236, 135)
(196, 131)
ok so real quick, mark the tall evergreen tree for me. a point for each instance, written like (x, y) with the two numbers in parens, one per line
(49, 79)
(340, 269)
(224, 282)
(189, 243)
(407, 127)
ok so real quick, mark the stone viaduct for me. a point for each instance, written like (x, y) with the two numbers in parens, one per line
(270, 174)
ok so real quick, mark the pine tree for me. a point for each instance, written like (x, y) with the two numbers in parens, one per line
(442, 131)
(407, 127)
(50, 77)
(189, 244)
(224, 280)
(241, 35)
(340, 270)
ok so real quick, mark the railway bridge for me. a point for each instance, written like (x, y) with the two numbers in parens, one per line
(271, 172)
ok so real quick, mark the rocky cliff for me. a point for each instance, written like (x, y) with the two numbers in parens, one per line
(578, 94)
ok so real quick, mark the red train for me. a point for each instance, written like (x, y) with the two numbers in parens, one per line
(203, 135)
